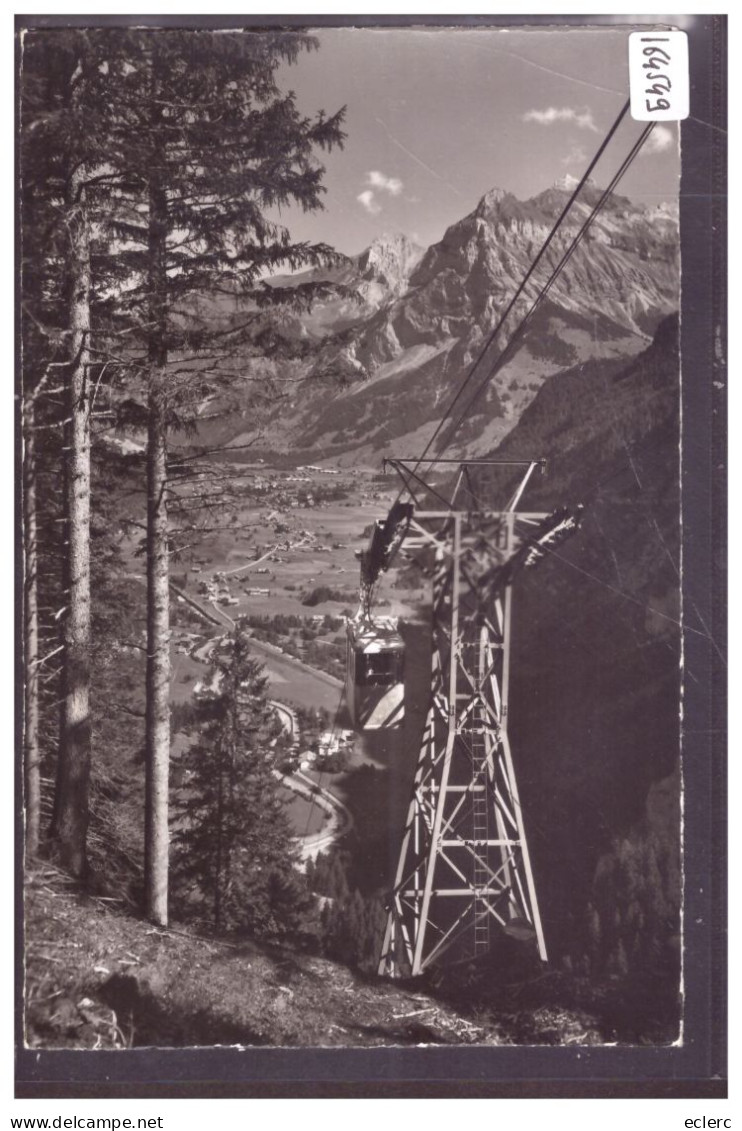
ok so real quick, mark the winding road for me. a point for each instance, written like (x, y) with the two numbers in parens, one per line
(308, 687)
(340, 820)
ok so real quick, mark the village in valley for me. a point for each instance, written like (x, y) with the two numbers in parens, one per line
(287, 572)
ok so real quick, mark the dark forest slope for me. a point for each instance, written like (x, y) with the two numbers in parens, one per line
(596, 687)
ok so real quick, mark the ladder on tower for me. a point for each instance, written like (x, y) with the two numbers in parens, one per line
(481, 874)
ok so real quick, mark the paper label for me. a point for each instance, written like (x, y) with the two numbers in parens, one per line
(658, 76)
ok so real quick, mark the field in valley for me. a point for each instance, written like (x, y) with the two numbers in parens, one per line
(293, 542)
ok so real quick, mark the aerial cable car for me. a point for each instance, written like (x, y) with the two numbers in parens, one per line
(374, 685)
(374, 677)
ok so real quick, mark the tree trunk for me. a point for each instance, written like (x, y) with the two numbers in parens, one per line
(30, 637)
(156, 836)
(219, 841)
(71, 802)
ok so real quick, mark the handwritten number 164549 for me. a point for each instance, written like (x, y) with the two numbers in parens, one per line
(661, 82)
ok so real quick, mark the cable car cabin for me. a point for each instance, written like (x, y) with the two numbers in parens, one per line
(374, 680)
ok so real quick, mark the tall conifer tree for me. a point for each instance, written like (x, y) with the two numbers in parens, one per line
(164, 158)
(65, 129)
(212, 147)
(234, 852)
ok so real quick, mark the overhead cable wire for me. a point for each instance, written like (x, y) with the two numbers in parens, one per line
(517, 335)
(526, 278)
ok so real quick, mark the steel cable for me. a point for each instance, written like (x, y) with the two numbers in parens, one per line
(520, 330)
(526, 278)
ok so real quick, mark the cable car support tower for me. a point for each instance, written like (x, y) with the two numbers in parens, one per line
(464, 867)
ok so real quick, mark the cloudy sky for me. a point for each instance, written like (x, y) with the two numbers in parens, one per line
(437, 117)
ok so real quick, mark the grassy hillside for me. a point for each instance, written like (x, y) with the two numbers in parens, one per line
(99, 977)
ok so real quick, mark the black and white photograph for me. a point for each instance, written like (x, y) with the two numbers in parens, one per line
(355, 647)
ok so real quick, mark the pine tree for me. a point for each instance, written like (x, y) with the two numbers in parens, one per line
(153, 162)
(70, 113)
(56, 288)
(208, 147)
(234, 854)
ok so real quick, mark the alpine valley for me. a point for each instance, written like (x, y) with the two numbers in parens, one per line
(370, 369)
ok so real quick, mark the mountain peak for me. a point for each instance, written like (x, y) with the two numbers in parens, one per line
(568, 183)
(391, 255)
(490, 201)
(388, 239)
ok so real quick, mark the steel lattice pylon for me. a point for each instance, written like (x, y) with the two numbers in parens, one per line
(464, 867)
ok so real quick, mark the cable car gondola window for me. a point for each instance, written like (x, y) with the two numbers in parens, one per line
(378, 669)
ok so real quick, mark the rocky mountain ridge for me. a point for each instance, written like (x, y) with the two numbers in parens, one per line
(383, 359)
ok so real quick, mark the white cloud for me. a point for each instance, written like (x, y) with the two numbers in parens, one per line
(583, 119)
(576, 156)
(660, 140)
(367, 200)
(379, 180)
